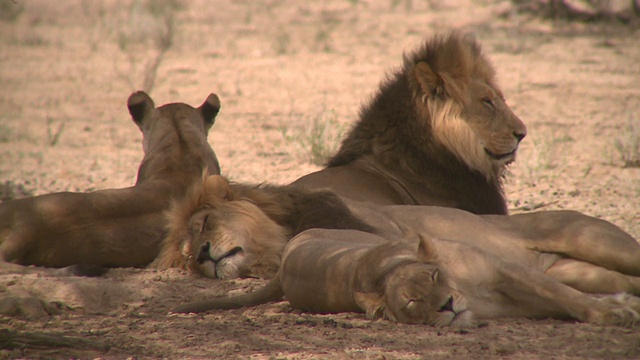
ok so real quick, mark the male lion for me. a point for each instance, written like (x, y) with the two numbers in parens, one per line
(331, 271)
(249, 224)
(118, 227)
(234, 234)
(438, 132)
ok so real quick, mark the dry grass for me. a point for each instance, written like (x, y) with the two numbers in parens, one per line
(319, 138)
(628, 144)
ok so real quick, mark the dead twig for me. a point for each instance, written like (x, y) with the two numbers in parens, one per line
(11, 339)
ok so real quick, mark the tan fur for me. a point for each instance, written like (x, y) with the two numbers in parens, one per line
(250, 226)
(329, 271)
(588, 254)
(174, 251)
(437, 133)
(117, 227)
(384, 280)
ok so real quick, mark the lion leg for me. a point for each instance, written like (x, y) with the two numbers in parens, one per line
(538, 295)
(12, 246)
(269, 293)
(622, 300)
(583, 237)
(593, 279)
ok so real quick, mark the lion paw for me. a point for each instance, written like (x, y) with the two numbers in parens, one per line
(620, 316)
(26, 307)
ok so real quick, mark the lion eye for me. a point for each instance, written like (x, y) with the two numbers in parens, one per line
(488, 103)
(435, 275)
(413, 303)
(204, 224)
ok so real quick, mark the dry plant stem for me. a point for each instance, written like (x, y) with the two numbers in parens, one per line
(163, 46)
(11, 339)
(54, 137)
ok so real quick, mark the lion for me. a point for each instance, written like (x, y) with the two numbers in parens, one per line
(447, 283)
(116, 227)
(253, 220)
(235, 232)
(438, 132)
(327, 274)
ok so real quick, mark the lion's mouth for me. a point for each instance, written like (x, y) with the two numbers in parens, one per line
(205, 255)
(462, 318)
(501, 157)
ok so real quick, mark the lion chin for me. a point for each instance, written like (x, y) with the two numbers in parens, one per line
(505, 159)
(224, 270)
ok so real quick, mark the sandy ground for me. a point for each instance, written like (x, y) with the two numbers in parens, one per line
(279, 67)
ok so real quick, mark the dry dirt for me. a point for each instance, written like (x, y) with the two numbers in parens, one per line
(67, 68)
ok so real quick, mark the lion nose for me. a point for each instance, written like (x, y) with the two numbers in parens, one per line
(204, 255)
(519, 135)
(448, 306)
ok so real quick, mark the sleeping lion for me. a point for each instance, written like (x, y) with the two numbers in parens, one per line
(337, 271)
(535, 265)
(228, 234)
(443, 283)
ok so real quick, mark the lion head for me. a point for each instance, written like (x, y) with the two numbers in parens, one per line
(454, 86)
(437, 132)
(420, 293)
(215, 232)
(164, 127)
(412, 291)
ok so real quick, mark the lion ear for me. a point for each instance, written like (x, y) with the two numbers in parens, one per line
(430, 82)
(185, 249)
(140, 105)
(217, 186)
(371, 303)
(427, 249)
(209, 109)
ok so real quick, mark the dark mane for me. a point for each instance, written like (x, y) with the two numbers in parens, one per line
(397, 134)
(298, 209)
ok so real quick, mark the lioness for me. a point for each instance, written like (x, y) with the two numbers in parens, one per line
(345, 270)
(119, 227)
(235, 234)
(438, 132)
(328, 274)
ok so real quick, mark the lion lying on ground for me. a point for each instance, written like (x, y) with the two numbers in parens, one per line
(438, 132)
(329, 271)
(235, 214)
(327, 274)
(120, 227)
(232, 235)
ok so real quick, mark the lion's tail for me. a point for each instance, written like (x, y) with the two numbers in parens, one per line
(270, 293)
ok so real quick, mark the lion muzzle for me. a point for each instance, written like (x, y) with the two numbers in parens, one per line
(210, 263)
